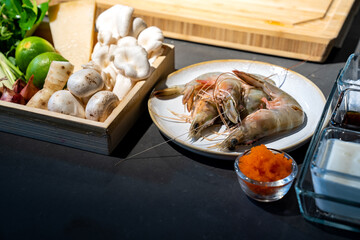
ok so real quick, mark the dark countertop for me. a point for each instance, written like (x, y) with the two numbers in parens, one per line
(50, 191)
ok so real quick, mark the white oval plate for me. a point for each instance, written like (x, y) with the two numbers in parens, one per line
(302, 89)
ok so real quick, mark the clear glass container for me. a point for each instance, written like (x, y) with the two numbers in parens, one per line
(328, 190)
(266, 191)
(347, 111)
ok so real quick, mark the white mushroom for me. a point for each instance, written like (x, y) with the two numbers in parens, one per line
(151, 39)
(85, 83)
(101, 105)
(132, 62)
(122, 86)
(105, 37)
(109, 76)
(137, 26)
(92, 65)
(127, 41)
(123, 20)
(100, 55)
(153, 56)
(105, 22)
(64, 102)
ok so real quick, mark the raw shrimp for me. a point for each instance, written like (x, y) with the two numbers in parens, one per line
(190, 89)
(252, 96)
(228, 95)
(282, 113)
(204, 113)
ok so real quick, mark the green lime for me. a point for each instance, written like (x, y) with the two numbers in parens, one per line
(29, 48)
(40, 65)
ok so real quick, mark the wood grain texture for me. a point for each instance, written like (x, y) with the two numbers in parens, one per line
(299, 29)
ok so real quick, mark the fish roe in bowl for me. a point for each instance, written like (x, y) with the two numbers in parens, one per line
(265, 174)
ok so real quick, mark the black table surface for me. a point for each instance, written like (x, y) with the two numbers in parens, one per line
(48, 191)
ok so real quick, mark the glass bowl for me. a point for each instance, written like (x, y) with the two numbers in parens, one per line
(266, 191)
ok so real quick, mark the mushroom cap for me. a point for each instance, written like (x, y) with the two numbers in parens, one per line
(63, 101)
(151, 39)
(101, 105)
(85, 83)
(133, 62)
(123, 20)
(100, 55)
(127, 41)
(137, 26)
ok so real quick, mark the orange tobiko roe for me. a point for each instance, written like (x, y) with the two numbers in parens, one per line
(262, 165)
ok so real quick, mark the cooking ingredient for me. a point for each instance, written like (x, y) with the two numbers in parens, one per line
(18, 19)
(63, 101)
(8, 72)
(127, 41)
(56, 79)
(29, 48)
(132, 62)
(114, 22)
(336, 174)
(122, 86)
(40, 65)
(84, 83)
(190, 89)
(228, 94)
(204, 113)
(351, 120)
(344, 157)
(20, 92)
(29, 90)
(137, 26)
(262, 165)
(72, 30)
(118, 52)
(101, 105)
(234, 99)
(151, 39)
(9, 95)
(282, 113)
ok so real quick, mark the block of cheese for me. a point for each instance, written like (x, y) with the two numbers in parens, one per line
(72, 26)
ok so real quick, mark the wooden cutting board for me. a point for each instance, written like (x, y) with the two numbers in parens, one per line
(302, 29)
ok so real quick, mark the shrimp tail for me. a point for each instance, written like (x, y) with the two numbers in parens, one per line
(171, 91)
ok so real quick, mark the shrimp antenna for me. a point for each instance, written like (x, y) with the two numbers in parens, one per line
(287, 70)
(157, 145)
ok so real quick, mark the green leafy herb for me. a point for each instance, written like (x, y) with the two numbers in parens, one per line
(18, 19)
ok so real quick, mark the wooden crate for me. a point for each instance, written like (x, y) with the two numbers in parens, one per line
(301, 29)
(99, 137)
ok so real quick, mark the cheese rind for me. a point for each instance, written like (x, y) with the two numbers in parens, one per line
(72, 26)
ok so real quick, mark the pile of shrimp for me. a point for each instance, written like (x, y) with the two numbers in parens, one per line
(250, 106)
